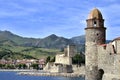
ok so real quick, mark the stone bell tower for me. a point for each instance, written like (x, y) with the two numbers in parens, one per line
(95, 35)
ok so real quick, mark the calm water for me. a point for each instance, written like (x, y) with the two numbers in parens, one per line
(14, 76)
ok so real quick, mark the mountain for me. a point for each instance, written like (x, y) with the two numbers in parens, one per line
(51, 41)
(78, 39)
(16, 47)
(54, 41)
(8, 36)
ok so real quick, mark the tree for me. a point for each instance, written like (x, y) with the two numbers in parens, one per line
(24, 66)
(48, 59)
(2, 66)
(35, 66)
(9, 66)
(21, 66)
(78, 59)
(53, 59)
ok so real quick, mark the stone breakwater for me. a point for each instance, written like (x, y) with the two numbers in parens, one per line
(77, 72)
(52, 74)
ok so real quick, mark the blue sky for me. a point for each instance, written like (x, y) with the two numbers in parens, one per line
(67, 18)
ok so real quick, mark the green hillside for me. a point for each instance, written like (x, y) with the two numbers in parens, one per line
(18, 52)
(54, 41)
(16, 47)
(6, 35)
(51, 41)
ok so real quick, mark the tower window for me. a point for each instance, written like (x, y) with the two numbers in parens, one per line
(97, 34)
(95, 23)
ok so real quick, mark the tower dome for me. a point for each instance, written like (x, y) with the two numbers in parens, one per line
(95, 14)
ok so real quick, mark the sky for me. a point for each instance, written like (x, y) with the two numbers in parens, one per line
(67, 18)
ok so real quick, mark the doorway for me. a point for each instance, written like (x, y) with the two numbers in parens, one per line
(100, 74)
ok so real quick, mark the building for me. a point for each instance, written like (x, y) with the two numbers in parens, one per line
(41, 63)
(66, 58)
(63, 62)
(102, 60)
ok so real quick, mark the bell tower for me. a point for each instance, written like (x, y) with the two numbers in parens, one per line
(95, 35)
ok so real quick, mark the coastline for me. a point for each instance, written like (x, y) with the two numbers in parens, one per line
(77, 72)
(18, 70)
(52, 74)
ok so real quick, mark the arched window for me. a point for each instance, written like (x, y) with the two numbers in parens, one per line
(100, 74)
(95, 24)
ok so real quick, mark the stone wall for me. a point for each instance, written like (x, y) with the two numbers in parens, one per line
(79, 69)
(71, 50)
(61, 68)
(66, 58)
(63, 62)
(106, 58)
(48, 66)
(62, 59)
(117, 64)
(116, 44)
(109, 62)
(110, 77)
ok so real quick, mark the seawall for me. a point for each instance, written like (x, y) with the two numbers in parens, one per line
(52, 74)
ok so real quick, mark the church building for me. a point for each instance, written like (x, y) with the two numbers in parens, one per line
(102, 60)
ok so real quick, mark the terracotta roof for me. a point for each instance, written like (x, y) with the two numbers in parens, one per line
(95, 13)
(103, 44)
(117, 39)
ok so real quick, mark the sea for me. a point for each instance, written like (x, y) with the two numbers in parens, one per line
(15, 76)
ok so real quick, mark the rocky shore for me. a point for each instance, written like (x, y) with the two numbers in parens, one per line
(52, 74)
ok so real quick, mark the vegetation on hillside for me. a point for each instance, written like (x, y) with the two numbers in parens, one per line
(18, 52)
(50, 42)
(15, 47)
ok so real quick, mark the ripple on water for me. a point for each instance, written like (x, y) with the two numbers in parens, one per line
(14, 76)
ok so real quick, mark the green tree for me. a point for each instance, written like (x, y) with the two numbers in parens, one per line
(21, 66)
(35, 66)
(53, 59)
(2, 66)
(78, 59)
(9, 66)
(24, 66)
(48, 59)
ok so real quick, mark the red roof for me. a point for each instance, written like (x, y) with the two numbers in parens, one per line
(103, 44)
(117, 39)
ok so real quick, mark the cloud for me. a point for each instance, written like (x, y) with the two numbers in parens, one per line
(62, 17)
(15, 9)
